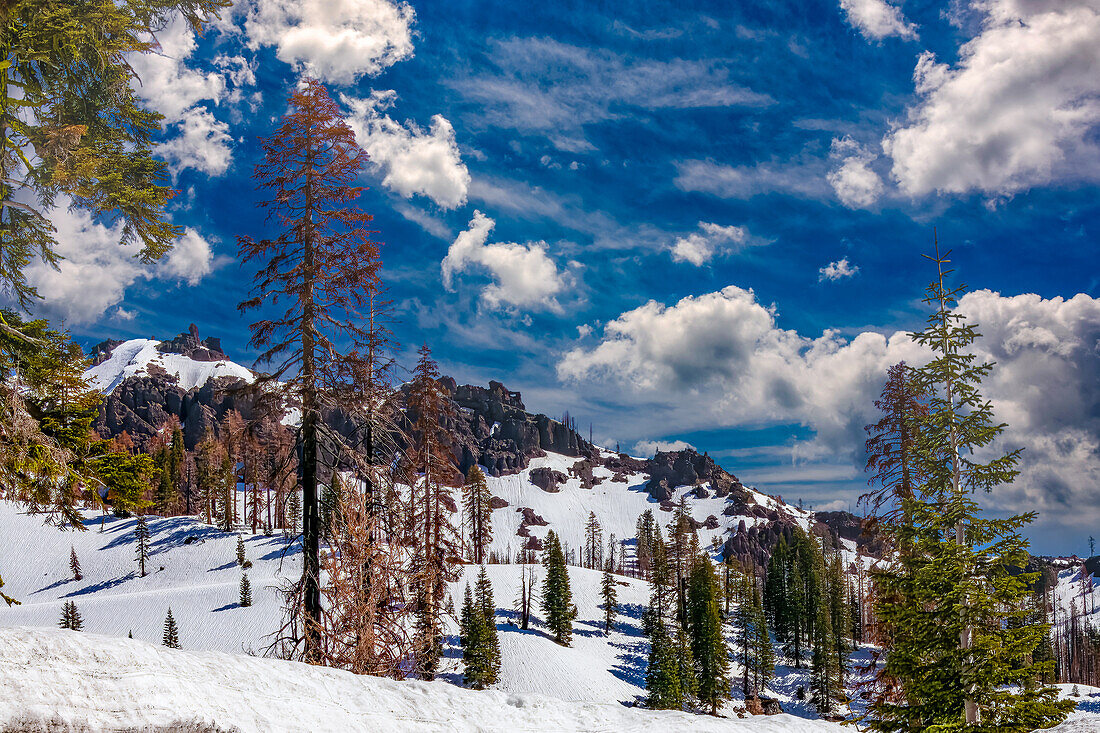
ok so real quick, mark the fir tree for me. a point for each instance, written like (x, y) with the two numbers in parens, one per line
(141, 534)
(330, 506)
(610, 597)
(662, 679)
(708, 645)
(593, 542)
(483, 599)
(476, 501)
(762, 651)
(74, 565)
(557, 599)
(826, 683)
(955, 610)
(171, 637)
(70, 617)
(240, 551)
(246, 591)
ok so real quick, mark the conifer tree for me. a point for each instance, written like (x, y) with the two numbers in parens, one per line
(744, 618)
(171, 637)
(762, 651)
(708, 645)
(74, 565)
(320, 270)
(665, 683)
(610, 597)
(593, 543)
(141, 535)
(557, 599)
(330, 506)
(240, 551)
(246, 591)
(955, 610)
(70, 617)
(644, 541)
(662, 680)
(483, 598)
(476, 501)
(826, 683)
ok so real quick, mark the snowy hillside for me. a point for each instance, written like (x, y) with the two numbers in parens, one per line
(141, 358)
(86, 682)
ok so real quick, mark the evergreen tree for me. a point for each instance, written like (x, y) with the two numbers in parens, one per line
(662, 680)
(708, 645)
(483, 599)
(141, 535)
(644, 541)
(74, 565)
(955, 609)
(762, 651)
(745, 618)
(826, 684)
(593, 543)
(246, 591)
(557, 599)
(70, 617)
(476, 501)
(330, 506)
(240, 551)
(171, 637)
(610, 597)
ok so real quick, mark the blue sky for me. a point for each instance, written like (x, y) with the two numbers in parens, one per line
(683, 221)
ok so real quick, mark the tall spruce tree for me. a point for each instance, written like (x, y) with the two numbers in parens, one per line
(953, 602)
(557, 598)
(321, 268)
(593, 542)
(141, 537)
(74, 565)
(610, 597)
(477, 504)
(171, 636)
(245, 596)
(708, 644)
(70, 617)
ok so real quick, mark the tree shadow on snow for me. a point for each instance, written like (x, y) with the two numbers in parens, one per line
(631, 662)
(51, 586)
(105, 585)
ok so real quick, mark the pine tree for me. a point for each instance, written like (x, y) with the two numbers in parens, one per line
(74, 565)
(610, 597)
(483, 599)
(476, 501)
(744, 618)
(70, 617)
(330, 506)
(593, 542)
(826, 684)
(240, 551)
(662, 680)
(708, 645)
(762, 651)
(955, 611)
(246, 591)
(171, 637)
(323, 265)
(141, 534)
(557, 599)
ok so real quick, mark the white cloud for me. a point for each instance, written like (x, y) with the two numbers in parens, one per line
(1019, 109)
(855, 184)
(721, 360)
(414, 161)
(97, 270)
(699, 247)
(524, 276)
(648, 448)
(876, 19)
(837, 270)
(796, 177)
(338, 41)
(203, 143)
(175, 90)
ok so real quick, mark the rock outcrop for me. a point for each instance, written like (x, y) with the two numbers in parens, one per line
(669, 470)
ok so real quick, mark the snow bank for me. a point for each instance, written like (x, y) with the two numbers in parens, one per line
(77, 681)
(134, 358)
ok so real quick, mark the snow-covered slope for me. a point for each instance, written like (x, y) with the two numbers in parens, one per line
(140, 357)
(85, 682)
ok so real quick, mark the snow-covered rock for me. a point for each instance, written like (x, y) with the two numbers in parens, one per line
(142, 358)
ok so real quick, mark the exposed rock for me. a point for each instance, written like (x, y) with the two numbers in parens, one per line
(668, 470)
(101, 352)
(190, 346)
(850, 527)
(711, 522)
(547, 479)
(582, 469)
(530, 518)
(496, 502)
(533, 543)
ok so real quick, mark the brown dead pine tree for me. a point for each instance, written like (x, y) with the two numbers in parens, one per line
(319, 269)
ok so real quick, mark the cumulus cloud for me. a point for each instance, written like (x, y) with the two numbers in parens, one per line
(855, 184)
(1019, 109)
(545, 86)
(721, 360)
(524, 276)
(338, 41)
(648, 448)
(699, 247)
(412, 160)
(97, 270)
(166, 82)
(837, 270)
(876, 19)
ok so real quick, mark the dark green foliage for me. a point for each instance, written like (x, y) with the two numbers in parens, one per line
(70, 617)
(610, 597)
(557, 599)
(246, 591)
(330, 507)
(826, 681)
(708, 645)
(171, 638)
(662, 680)
(241, 559)
(141, 537)
(478, 635)
(74, 565)
(962, 641)
(126, 476)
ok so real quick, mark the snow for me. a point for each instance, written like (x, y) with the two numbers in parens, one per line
(81, 681)
(134, 358)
